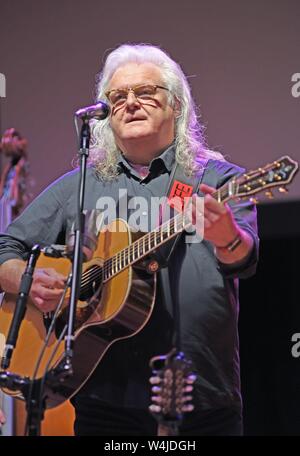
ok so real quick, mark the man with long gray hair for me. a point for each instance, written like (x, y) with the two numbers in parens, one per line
(153, 132)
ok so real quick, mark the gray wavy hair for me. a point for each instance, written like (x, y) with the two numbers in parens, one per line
(190, 145)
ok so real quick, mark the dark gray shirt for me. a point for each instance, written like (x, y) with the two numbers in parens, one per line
(207, 290)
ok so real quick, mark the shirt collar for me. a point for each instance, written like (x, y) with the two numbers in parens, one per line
(165, 159)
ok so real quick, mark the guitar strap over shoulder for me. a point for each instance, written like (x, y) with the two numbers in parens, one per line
(179, 186)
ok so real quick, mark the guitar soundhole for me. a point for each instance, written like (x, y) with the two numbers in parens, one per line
(91, 281)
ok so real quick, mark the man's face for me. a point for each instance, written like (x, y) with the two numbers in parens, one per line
(137, 120)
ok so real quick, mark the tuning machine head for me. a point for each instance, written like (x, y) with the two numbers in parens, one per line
(269, 194)
(283, 189)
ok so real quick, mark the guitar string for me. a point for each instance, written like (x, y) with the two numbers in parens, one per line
(136, 247)
(132, 252)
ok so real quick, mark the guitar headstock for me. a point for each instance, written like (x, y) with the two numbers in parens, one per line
(277, 174)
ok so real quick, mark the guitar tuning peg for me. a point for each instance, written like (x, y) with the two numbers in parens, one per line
(283, 190)
(254, 200)
(269, 194)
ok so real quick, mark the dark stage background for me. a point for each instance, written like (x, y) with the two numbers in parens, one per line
(242, 58)
(269, 317)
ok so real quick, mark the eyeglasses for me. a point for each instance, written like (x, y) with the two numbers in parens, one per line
(118, 97)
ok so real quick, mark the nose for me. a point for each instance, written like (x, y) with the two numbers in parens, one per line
(131, 100)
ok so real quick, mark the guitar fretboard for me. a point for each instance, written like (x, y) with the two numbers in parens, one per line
(148, 243)
(142, 247)
(278, 173)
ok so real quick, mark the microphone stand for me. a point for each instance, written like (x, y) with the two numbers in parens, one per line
(98, 111)
(20, 309)
(77, 256)
(30, 388)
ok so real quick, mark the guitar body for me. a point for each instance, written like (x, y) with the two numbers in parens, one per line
(58, 421)
(125, 305)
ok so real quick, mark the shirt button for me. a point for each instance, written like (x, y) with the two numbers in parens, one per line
(144, 213)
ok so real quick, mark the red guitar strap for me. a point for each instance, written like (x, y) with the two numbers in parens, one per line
(180, 186)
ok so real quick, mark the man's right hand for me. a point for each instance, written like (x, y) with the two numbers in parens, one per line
(47, 285)
(47, 288)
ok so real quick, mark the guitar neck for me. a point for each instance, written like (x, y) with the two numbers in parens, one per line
(142, 247)
(279, 173)
(153, 240)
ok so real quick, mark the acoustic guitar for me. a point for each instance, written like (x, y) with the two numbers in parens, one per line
(116, 298)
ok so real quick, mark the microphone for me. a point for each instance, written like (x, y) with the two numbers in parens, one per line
(92, 223)
(97, 111)
(20, 309)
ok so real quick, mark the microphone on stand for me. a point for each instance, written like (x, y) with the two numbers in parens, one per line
(97, 111)
(20, 310)
(92, 223)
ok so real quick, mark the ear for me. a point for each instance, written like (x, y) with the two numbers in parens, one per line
(177, 108)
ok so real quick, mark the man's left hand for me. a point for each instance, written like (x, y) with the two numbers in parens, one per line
(221, 229)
